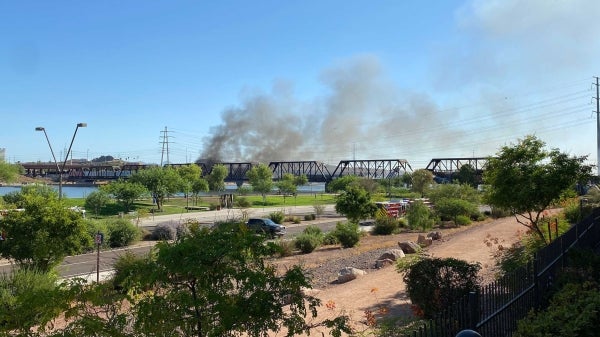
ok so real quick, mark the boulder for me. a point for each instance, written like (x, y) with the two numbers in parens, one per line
(349, 274)
(423, 241)
(392, 254)
(409, 247)
(383, 263)
(435, 235)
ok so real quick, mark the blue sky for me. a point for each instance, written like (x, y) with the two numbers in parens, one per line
(296, 80)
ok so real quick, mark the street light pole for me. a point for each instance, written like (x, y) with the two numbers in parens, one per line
(60, 169)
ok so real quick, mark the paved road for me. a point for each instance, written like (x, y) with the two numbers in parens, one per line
(85, 265)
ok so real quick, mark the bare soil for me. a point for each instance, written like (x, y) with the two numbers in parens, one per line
(382, 291)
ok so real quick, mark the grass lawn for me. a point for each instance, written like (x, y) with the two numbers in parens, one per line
(177, 205)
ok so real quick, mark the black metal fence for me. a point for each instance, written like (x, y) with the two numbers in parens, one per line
(495, 309)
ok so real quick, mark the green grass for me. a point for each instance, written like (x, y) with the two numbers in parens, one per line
(177, 205)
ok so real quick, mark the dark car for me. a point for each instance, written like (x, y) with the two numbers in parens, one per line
(266, 226)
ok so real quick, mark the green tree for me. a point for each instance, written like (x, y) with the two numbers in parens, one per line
(340, 184)
(192, 181)
(453, 191)
(527, 179)
(216, 283)
(467, 175)
(421, 179)
(9, 172)
(419, 215)
(125, 192)
(451, 208)
(43, 234)
(216, 178)
(96, 200)
(355, 203)
(261, 179)
(160, 181)
(288, 185)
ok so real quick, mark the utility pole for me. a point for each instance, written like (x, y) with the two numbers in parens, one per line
(597, 98)
(165, 143)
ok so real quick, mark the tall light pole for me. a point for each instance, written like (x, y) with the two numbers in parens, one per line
(60, 169)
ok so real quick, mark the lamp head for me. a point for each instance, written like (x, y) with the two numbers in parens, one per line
(81, 125)
(39, 128)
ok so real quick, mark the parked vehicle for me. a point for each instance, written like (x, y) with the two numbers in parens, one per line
(266, 226)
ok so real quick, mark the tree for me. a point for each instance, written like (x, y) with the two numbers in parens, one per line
(43, 234)
(434, 284)
(419, 215)
(526, 179)
(216, 178)
(288, 185)
(9, 172)
(453, 191)
(216, 283)
(340, 184)
(125, 192)
(160, 181)
(192, 181)
(467, 175)
(355, 203)
(421, 179)
(451, 208)
(96, 200)
(261, 179)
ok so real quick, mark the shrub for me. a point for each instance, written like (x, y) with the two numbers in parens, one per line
(164, 232)
(93, 227)
(434, 284)
(242, 202)
(277, 216)
(402, 223)
(309, 217)
(330, 239)
(285, 247)
(307, 243)
(463, 220)
(385, 226)
(319, 210)
(313, 230)
(348, 234)
(122, 233)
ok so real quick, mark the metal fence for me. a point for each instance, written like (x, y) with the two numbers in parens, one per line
(495, 309)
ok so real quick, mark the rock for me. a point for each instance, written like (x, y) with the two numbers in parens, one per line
(409, 247)
(349, 274)
(392, 254)
(423, 241)
(435, 235)
(383, 263)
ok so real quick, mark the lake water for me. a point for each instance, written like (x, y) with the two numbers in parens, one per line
(84, 191)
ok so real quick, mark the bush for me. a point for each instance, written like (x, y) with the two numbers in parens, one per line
(164, 232)
(463, 220)
(285, 247)
(93, 227)
(277, 216)
(309, 217)
(434, 284)
(330, 239)
(307, 243)
(313, 230)
(319, 210)
(348, 234)
(122, 233)
(385, 226)
(242, 202)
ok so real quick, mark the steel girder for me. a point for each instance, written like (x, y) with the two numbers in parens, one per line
(373, 169)
(453, 165)
(315, 171)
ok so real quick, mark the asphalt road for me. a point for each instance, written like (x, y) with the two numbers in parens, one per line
(85, 265)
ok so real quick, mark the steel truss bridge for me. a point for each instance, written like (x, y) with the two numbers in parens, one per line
(445, 168)
(317, 172)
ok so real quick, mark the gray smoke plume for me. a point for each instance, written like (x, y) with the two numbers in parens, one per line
(365, 116)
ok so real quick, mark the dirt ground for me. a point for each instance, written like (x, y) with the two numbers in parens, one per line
(384, 288)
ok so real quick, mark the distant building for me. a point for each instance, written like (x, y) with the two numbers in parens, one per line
(2, 154)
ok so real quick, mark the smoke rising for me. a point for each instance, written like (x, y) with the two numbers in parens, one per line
(364, 115)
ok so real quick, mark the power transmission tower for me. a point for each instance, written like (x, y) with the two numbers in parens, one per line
(165, 144)
(597, 98)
